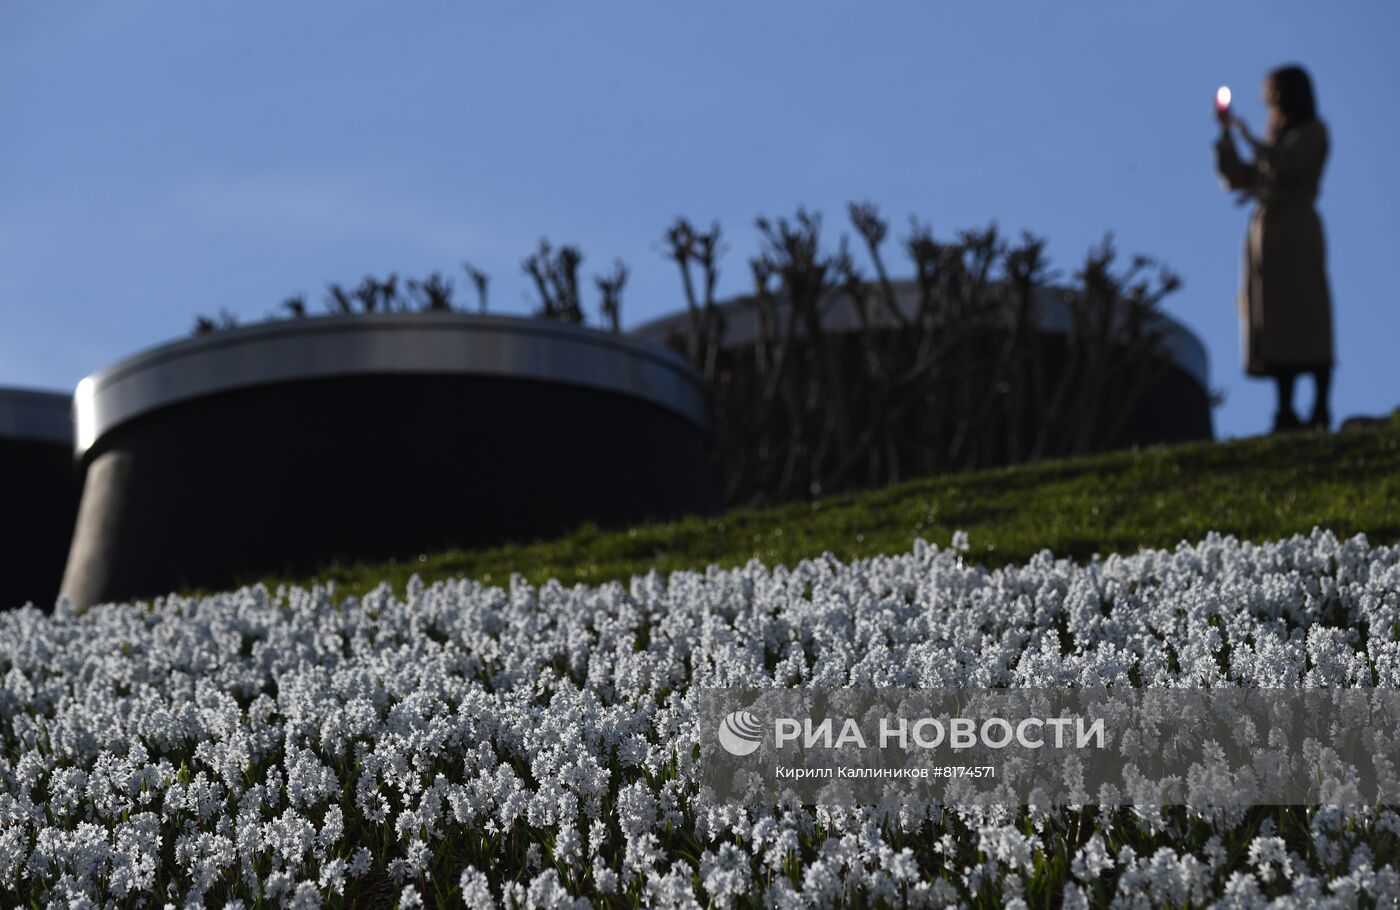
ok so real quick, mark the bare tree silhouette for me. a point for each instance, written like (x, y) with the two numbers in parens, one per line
(555, 275)
(294, 306)
(374, 295)
(433, 294)
(960, 376)
(203, 325)
(610, 290)
(699, 251)
(338, 300)
(479, 280)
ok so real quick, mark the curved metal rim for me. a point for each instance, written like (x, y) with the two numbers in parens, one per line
(382, 343)
(36, 416)
(1185, 349)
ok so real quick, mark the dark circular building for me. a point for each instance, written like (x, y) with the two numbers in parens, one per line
(39, 490)
(280, 447)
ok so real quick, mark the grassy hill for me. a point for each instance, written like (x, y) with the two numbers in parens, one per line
(1259, 488)
(450, 748)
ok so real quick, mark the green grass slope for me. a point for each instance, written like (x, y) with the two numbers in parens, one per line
(1260, 488)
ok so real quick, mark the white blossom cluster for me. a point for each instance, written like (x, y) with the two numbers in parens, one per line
(467, 745)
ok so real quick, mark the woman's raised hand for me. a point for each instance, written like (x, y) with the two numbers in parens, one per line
(1222, 114)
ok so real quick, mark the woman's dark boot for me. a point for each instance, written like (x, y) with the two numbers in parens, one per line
(1321, 417)
(1285, 420)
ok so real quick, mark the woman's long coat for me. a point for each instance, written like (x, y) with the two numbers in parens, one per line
(1284, 302)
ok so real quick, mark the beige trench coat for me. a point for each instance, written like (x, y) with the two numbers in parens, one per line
(1285, 305)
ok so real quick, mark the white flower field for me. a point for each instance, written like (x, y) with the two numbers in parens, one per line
(468, 745)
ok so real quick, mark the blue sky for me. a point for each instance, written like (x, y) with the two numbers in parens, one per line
(159, 160)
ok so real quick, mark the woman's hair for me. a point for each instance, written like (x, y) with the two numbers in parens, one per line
(1294, 95)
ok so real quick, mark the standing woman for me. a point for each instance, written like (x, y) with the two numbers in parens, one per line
(1284, 303)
